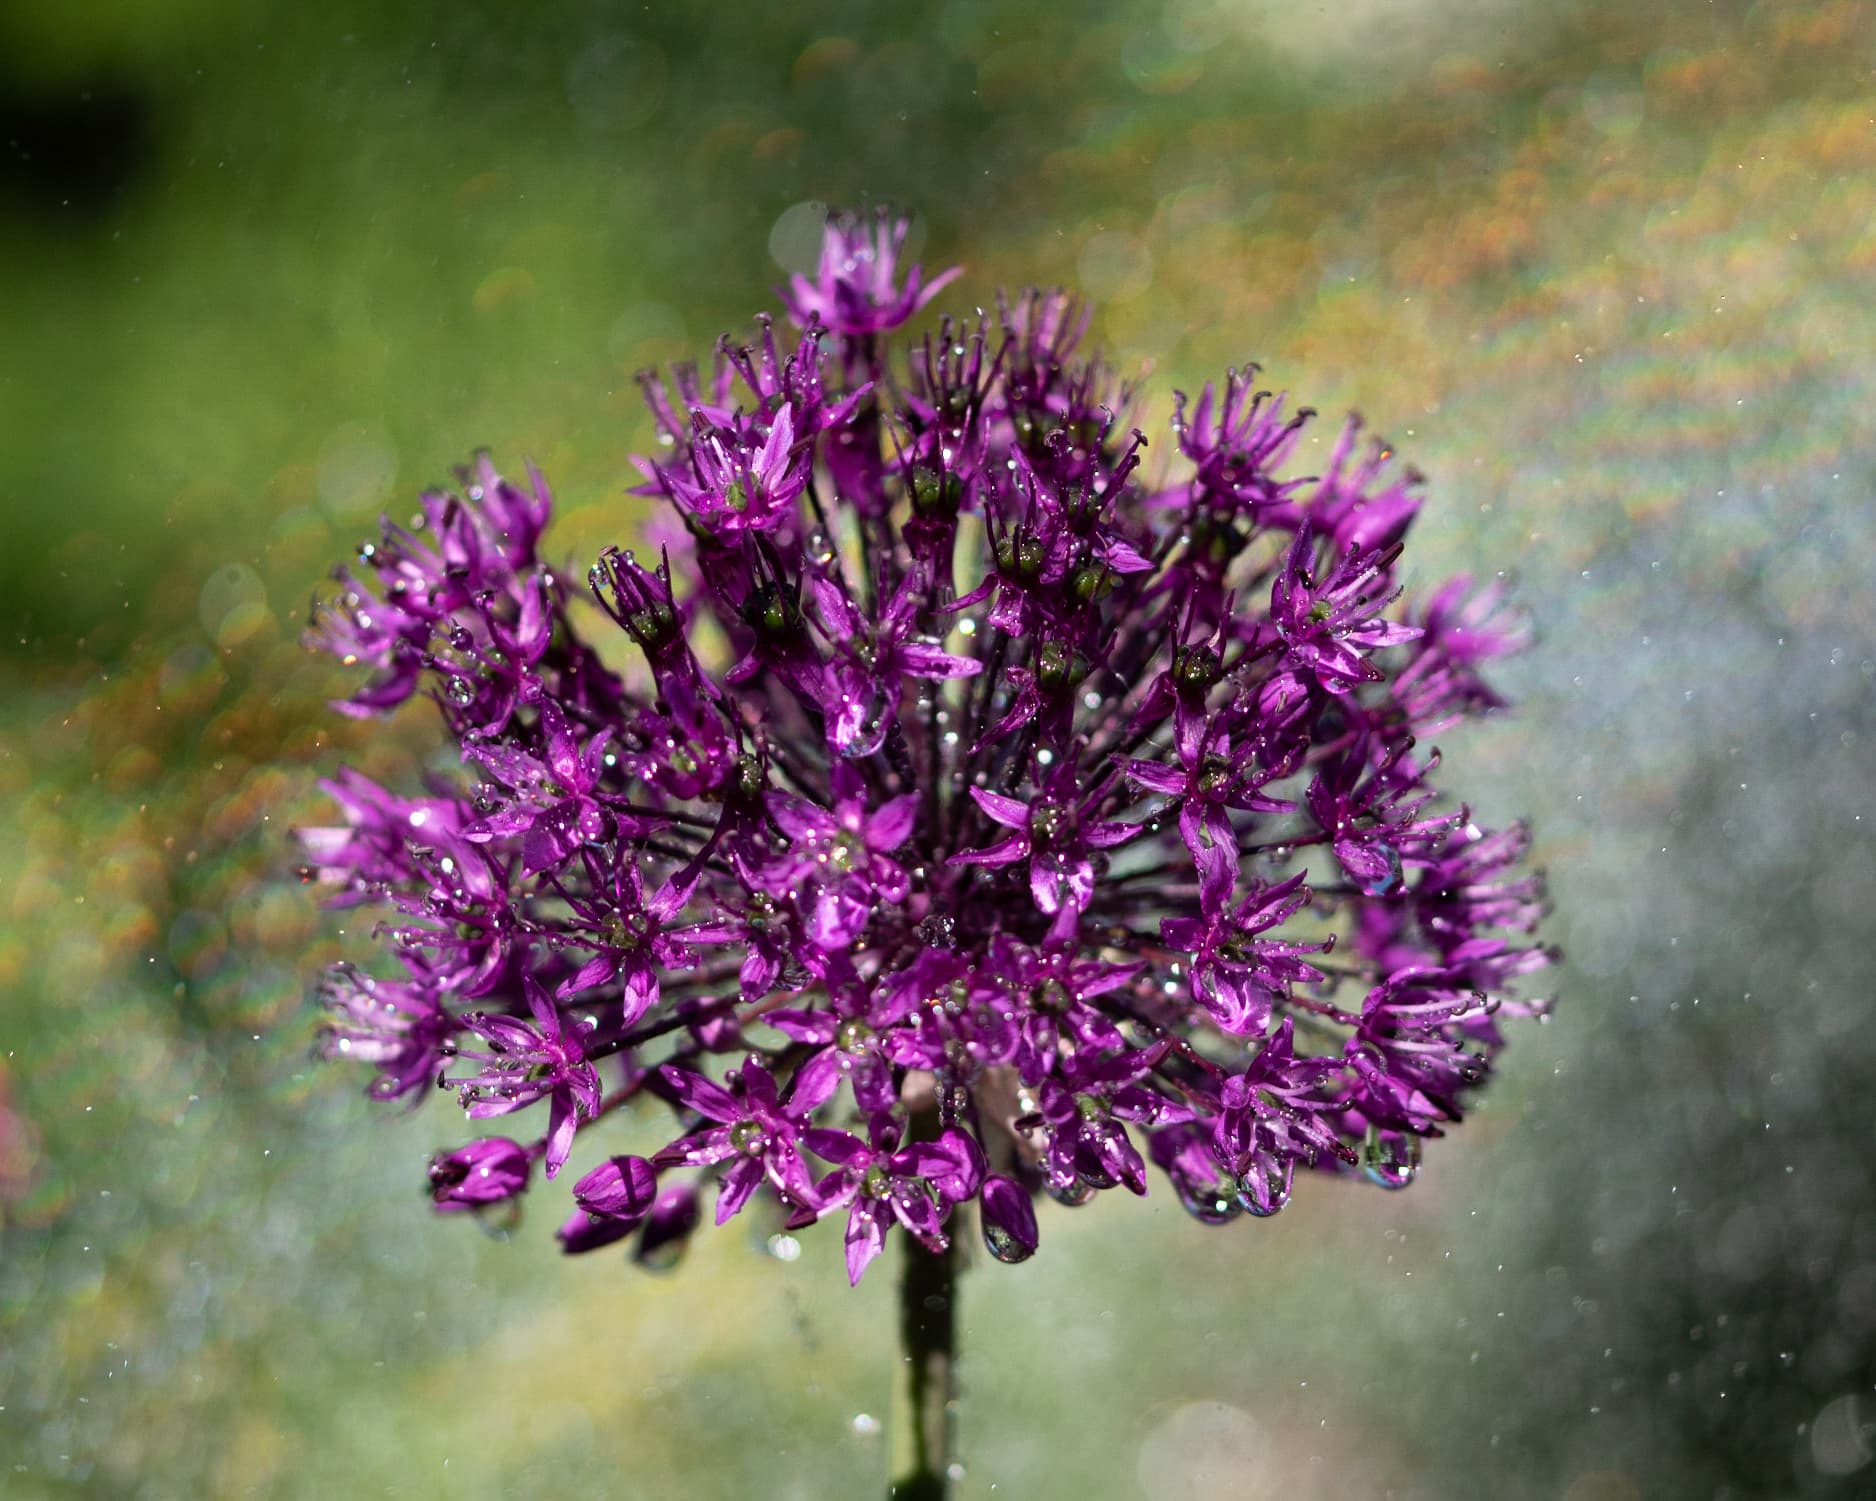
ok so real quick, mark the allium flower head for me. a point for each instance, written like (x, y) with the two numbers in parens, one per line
(985, 810)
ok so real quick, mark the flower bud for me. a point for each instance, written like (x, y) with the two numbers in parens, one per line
(623, 1188)
(483, 1172)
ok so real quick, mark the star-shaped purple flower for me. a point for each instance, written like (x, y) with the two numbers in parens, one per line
(1329, 621)
(1236, 975)
(1051, 833)
(552, 801)
(528, 1061)
(880, 1184)
(756, 1130)
(838, 858)
(855, 290)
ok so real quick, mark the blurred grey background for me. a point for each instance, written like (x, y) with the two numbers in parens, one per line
(1604, 271)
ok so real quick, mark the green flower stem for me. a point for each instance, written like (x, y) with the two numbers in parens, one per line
(923, 1385)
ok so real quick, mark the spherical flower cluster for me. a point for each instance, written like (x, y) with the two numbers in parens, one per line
(964, 810)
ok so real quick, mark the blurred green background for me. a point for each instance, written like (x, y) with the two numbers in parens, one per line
(1604, 271)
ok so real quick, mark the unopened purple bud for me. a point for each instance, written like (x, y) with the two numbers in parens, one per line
(621, 1189)
(674, 1214)
(586, 1232)
(483, 1172)
(1009, 1220)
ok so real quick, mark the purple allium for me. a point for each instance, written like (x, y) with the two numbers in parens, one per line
(977, 810)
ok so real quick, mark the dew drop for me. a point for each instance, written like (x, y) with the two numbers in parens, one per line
(1391, 1160)
(1264, 1190)
(1003, 1245)
(1209, 1204)
(1073, 1195)
(1389, 880)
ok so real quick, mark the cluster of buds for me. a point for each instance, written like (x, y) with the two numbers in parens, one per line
(977, 812)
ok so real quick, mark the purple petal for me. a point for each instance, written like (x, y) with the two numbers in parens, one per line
(695, 1092)
(510, 766)
(1208, 835)
(805, 1026)
(1365, 863)
(922, 661)
(1379, 633)
(640, 991)
(891, 825)
(759, 973)
(866, 1238)
(837, 919)
(797, 817)
(1008, 811)
(1186, 933)
(814, 1083)
(1104, 836)
(1010, 848)
(698, 1150)
(838, 612)
(1123, 557)
(1059, 881)
(789, 1173)
(1155, 776)
(502, 825)
(546, 1013)
(839, 1147)
(563, 751)
(596, 971)
(563, 1122)
(773, 460)
(736, 1186)
(669, 900)
(758, 1089)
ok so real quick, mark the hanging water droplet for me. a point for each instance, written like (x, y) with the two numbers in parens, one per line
(662, 1257)
(1003, 1245)
(1391, 1160)
(1072, 1195)
(1209, 1204)
(1389, 880)
(1264, 1189)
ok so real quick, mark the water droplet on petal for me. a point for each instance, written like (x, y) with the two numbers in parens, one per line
(1389, 880)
